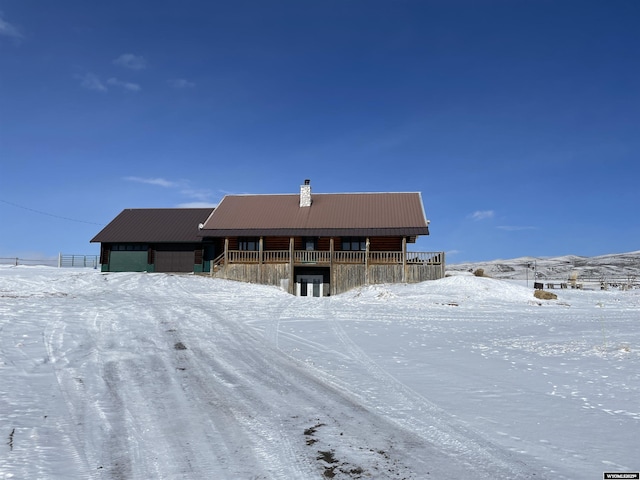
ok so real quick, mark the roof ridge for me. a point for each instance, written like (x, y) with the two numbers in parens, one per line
(316, 193)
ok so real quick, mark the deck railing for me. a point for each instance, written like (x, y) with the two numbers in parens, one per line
(385, 257)
(324, 257)
(349, 256)
(275, 256)
(243, 256)
(311, 256)
(430, 258)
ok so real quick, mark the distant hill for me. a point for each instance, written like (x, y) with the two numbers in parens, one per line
(621, 266)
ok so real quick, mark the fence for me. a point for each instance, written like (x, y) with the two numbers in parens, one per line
(63, 260)
(51, 262)
(78, 261)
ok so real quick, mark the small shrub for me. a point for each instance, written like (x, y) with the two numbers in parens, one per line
(543, 295)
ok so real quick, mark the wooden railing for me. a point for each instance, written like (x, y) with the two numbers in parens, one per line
(429, 258)
(242, 256)
(311, 256)
(275, 256)
(385, 257)
(347, 256)
(324, 257)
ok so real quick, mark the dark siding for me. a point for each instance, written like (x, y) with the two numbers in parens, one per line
(276, 243)
(174, 258)
(104, 254)
(323, 244)
(385, 244)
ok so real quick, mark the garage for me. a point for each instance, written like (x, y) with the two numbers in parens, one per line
(174, 259)
(156, 240)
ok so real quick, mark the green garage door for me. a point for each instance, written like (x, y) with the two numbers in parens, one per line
(127, 261)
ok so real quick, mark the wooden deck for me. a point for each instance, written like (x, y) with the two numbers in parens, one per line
(346, 269)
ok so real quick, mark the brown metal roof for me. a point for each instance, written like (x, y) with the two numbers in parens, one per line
(161, 225)
(338, 214)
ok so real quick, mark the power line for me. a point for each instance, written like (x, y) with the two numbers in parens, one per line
(49, 214)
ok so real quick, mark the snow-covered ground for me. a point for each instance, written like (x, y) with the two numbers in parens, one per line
(154, 376)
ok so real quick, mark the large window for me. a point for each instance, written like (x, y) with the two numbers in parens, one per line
(354, 243)
(249, 244)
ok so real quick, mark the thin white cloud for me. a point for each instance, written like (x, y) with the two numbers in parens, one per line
(91, 82)
(160, 182)
(131, 87)
(201, 195)
(180, 83)
(201, 198)
(131, 61)
(482, 215)
(8, 30)
(514, 228)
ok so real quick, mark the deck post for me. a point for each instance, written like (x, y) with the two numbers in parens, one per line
(366, 262)
(226, 256)
(404, 259)
(442, 265)
(331, 283)
(292, 285)
(260, 252)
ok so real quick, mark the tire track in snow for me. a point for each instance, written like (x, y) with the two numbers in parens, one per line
(392, 400)
(31, 394)
(69, 389)
(398, 402)
(362, 436)
(298, 400)
(238, 374)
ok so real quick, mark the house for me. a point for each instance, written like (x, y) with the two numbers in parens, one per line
(155, 240)
(320, 244)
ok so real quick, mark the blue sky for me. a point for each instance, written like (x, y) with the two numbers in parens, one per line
(518, 120)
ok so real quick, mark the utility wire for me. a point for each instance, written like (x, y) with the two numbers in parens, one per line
(49, 214)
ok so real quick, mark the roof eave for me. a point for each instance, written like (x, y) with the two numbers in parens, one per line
(315, 232)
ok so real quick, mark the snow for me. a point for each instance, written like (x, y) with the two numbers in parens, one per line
(138, 376)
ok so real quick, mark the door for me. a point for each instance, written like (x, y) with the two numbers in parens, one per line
(309, 286)
(174, 258)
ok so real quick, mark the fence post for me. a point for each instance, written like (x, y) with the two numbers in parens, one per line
(59, 259)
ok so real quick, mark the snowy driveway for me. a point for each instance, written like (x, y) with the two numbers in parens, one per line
(139, 376)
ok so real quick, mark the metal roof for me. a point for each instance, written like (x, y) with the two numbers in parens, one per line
(340, 214)
(159, 225)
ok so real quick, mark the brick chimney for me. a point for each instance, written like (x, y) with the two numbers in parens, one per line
(305, 194)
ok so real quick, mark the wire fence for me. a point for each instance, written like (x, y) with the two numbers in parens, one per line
(62, 261)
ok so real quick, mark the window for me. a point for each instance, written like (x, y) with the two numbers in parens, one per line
(251, 244)
(129, 247)
(310, 243)
(354, 243)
